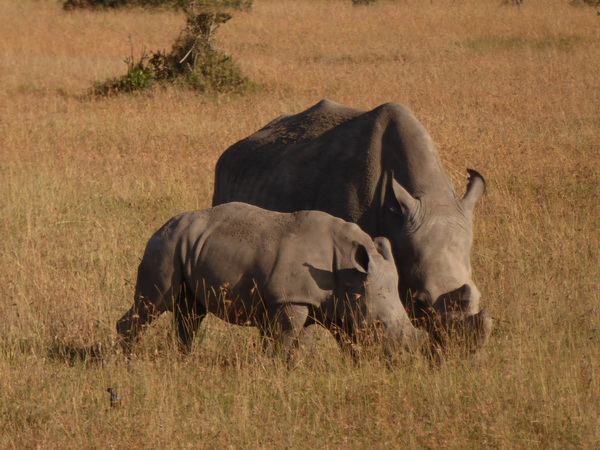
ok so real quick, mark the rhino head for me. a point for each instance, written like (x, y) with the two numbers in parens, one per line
(432, 236)
(379, 279)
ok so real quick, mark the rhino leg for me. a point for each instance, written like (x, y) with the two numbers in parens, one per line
(134, 321)
(283, 327)
(189, 314)
(340, 319)
(155, 292)
(348, 343)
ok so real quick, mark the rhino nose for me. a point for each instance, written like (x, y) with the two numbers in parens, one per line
(458, 300)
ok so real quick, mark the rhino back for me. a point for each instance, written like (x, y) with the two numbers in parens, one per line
(242, 246)
(331, 158)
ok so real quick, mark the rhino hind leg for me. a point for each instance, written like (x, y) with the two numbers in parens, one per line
(134, 321)
(154, 295)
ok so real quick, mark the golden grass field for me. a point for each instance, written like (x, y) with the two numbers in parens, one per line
(511, 92)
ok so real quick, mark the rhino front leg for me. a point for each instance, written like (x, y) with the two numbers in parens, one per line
(189, 314)
(284, 327)
(347, 342)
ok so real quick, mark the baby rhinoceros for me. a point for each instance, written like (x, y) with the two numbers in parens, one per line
(280, 272)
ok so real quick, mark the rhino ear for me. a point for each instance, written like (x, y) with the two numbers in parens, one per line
(360, 257)
(384, 248)
(405, 203)
(475, 189)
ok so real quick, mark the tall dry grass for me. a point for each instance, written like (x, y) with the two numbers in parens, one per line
(511, 92)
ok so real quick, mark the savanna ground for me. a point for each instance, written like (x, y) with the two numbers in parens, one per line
(512, 92)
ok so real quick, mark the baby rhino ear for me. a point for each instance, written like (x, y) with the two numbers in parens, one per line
(384, 248)
(360, 257)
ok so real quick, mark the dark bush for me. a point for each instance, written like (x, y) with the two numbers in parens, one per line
(188, 5)
(362, 2)
(595, 3)
(193, 61)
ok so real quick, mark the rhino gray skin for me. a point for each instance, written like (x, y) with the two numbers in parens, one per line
(279, 272)
(379, 169)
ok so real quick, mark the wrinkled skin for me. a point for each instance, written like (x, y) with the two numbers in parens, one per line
(379, 169)
(279, 272)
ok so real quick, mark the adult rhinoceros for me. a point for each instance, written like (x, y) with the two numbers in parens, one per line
(279, 272)
(381, 170)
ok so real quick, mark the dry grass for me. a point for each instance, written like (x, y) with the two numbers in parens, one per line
(511, 92)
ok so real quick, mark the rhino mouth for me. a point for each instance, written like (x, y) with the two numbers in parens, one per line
(469, 332)
(448, 321)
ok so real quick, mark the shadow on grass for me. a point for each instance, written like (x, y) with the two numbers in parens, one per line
(60, 351)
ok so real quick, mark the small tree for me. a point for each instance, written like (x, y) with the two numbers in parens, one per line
(175, 4)
(193, 61)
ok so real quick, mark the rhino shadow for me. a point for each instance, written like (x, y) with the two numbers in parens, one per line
(327, 280)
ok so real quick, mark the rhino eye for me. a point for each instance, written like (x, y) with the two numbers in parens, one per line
(398, 211)
(404, 223)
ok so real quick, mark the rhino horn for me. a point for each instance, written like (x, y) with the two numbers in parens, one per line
(475, 189)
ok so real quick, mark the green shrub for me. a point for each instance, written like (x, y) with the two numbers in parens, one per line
(192, 61)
